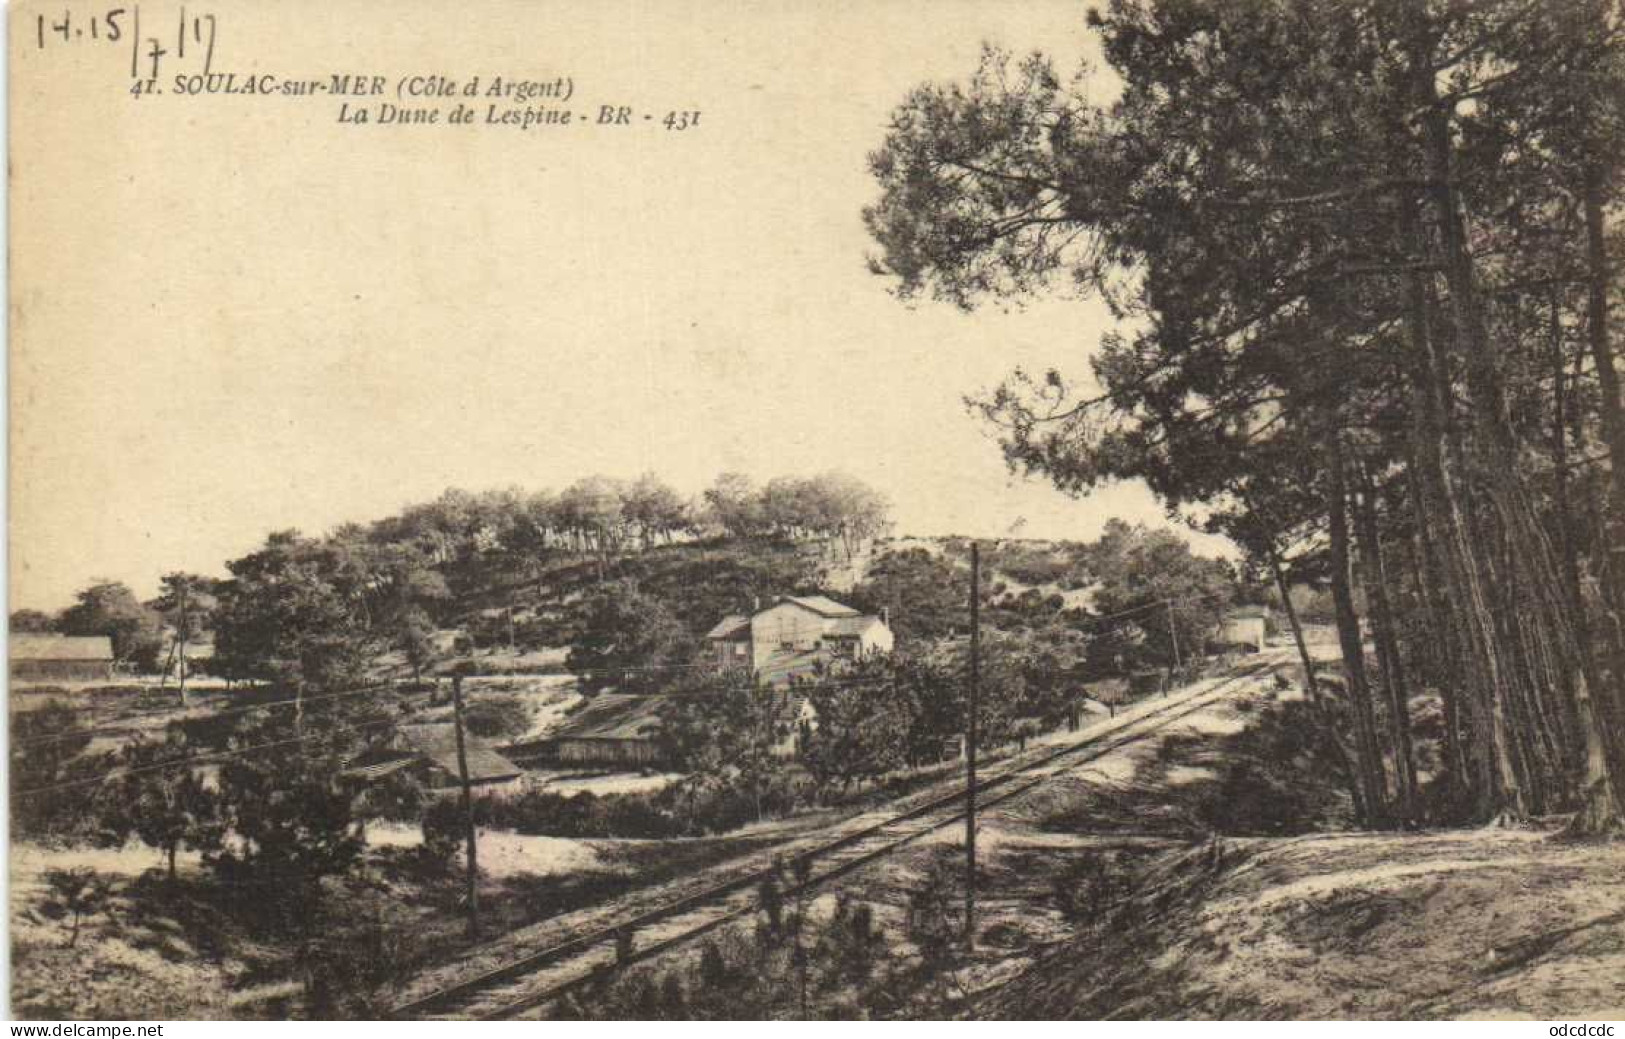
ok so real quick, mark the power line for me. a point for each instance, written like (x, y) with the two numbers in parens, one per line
(1094, 623)
(224, 755)
(123, 724)
(189, 760)
(812, 684)
(606, 671)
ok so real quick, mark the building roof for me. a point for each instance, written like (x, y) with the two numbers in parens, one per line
(729, 626)
(853, 626)
(61, 647)
(438, 743)
(613, 716)
(848, 621)
(821, 605)
(1247, 613)
(379, 769)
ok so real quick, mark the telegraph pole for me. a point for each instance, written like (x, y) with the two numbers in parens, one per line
(473, 891)
(1173, 633)
(970, 748)
(186, 627)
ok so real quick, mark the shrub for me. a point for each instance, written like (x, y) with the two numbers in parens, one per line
(444, 830)
(54, 788)
(357, 951)
(1274, 778)
(1090, 887)
(74, 894)
(497, 717)
(586, 814)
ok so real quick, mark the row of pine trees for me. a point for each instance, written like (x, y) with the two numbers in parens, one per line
(1363, 257)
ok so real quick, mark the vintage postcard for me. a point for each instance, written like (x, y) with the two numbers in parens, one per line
(701, 510)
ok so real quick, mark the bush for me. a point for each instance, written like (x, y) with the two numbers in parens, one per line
(497, 717)
(1090, 887)
(396, 798)
(55, 795)
(74, 894)
(443, 830)
(541, 813)
(1274, 778)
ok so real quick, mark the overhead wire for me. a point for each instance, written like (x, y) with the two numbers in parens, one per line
(194, 759)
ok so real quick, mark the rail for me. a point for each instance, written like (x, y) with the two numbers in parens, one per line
(1135, 729)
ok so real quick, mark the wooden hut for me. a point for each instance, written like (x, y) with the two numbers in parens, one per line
(60, 658)
(611, 729)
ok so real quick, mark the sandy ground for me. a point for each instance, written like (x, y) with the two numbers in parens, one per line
(140, 967)
(1448, 925)
(1475, 924)
(786, 835)
(601, 783)
(29, 863)
(503, 854)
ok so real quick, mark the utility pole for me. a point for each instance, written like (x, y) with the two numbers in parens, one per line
(970, 747)
(185, 631)
(1173, 633)
(473, 891)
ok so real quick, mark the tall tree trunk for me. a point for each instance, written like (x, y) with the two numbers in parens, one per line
(1443, 651)
(1459, 608)
(1604, 806)
(1373, 776)
(1375, 581)
(1613, 417)
(1567, 542)
(1488, 462)
(1567, 536)
(1311, 686)
(1538, 599)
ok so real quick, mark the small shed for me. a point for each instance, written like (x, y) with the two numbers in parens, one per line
(60, 658)
(1246, 626)
(616, 729)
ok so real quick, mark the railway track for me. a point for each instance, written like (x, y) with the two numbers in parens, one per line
(547, 974)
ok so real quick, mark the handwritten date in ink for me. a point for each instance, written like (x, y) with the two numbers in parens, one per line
(108, 25)
(193, 35)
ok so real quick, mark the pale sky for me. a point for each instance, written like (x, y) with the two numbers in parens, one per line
(233, 315)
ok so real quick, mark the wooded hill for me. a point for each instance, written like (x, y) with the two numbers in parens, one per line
(472, 574)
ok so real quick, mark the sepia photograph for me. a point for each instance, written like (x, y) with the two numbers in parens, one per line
(741, 510)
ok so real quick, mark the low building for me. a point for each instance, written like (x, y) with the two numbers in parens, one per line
(612, 729)
(620, 731)
(1246, 626)
(60, 658)
(429, 752)
(797, 637)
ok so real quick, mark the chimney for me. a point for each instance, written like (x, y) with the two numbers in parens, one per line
(756, 604)
(885, 616)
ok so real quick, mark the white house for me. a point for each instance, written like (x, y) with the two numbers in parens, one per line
(1246, 626)
(796, 636)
